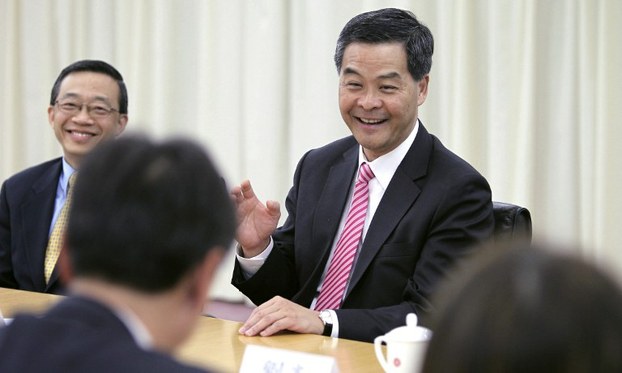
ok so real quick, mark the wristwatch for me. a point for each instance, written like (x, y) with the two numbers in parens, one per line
(327, 319)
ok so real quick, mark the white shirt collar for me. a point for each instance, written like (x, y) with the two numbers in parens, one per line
(137, 329)
(65, 175)
(384, 166)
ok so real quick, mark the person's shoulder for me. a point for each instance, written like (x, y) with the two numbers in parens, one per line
(19, 330)
(341, 144)
(37, 176)
(330, 153)
(95, 351)
(333, 149)
(450, 161)
(34, 172)
(12, 337)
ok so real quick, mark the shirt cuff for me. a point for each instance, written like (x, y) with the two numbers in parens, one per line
(333, 316)
(250, 266)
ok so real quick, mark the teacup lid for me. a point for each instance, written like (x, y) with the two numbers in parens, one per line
(411, 331)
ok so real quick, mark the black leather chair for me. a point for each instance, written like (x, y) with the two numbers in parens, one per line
(512, 222)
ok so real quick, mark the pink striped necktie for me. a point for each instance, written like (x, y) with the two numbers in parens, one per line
(334, 285)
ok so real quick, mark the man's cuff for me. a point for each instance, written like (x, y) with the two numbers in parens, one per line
(250, 266)
(333, 315)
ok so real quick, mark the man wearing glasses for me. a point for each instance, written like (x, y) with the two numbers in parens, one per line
(88, 105)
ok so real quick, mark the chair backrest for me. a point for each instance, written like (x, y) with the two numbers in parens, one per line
(512, 222)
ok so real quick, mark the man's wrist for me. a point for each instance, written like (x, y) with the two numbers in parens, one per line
(327, 320)
(249, 253)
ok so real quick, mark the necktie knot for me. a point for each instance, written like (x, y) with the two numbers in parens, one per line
(365, 173)
(72, 180)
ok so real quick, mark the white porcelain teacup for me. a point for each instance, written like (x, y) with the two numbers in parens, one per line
(406, 347)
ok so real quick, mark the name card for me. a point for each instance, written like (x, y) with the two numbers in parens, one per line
(276, 360)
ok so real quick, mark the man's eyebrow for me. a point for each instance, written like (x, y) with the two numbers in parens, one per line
(101, 98)
(391, 75)
(70, 95)
(75, 95)
(349, 70)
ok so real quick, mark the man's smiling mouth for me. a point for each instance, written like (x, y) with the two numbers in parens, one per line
(80, 133)
(370, 121)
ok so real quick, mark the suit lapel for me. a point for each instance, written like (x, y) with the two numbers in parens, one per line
(399, 197)
(333, 199)
(36, 217)
(332, 202)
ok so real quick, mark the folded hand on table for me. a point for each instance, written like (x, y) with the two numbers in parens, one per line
(280, 314)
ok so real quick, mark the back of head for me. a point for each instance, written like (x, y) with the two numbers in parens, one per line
(390, 25)
(145, 213)
(529, 310)
(94, 66)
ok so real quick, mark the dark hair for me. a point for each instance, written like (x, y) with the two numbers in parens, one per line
(386, 26)
(96, 67)
(529, 310)
(144, 214)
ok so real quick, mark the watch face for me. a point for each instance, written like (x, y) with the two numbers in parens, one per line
(325, 316)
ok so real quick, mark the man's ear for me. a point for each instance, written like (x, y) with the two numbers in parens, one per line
(121, 124)
(422, 87)
(64, 265)
(51, 115)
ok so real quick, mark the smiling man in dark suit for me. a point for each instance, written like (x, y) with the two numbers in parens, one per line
(423, 207)
(88, 105)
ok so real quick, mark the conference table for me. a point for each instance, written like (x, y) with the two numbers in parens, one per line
(216, 344)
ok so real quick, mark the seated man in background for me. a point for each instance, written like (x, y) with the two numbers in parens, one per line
(528, 310)
(148, 226)
(88, 104)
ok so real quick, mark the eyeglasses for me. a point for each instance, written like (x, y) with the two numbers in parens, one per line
(95, 111)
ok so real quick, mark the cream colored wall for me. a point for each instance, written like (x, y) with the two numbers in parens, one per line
(527, 91)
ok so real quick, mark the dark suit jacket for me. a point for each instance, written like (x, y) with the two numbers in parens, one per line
(77, 335)
(26, 208)
(435, 209)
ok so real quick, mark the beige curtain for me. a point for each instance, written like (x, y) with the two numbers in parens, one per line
(528, 91)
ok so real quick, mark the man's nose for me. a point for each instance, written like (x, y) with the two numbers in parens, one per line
(370, 100)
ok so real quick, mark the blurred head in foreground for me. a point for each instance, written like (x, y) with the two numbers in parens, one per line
(148, 226)
(528, 309)
(151, 221)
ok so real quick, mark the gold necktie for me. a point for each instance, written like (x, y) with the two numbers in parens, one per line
(56, 238)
